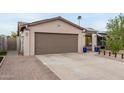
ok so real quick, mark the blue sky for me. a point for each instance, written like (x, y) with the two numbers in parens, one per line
(8, 21)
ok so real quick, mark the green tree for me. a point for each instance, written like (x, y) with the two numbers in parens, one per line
(115, 32)
(13, 35)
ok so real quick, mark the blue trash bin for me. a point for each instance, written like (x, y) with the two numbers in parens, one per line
(96, 49)
(84, 49)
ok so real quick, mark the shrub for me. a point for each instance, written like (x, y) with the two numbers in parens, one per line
(3, 52)
(115, 34)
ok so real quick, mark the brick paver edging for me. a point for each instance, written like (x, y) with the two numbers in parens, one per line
(2, 60)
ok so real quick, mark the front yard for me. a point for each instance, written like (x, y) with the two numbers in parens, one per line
(65, 66)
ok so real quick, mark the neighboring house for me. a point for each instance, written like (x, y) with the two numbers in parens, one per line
(55, 35)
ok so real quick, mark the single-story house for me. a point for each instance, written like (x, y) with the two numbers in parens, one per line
(55, 35)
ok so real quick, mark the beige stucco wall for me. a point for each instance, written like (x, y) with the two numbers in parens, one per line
(54, 27)
(21, 45)
(24, 47)
(94, 41)
(26, 43)
(17, 43)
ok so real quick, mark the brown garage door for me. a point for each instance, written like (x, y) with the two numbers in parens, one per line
(47, 43)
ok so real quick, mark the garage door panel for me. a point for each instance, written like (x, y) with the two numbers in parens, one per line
(55, 43)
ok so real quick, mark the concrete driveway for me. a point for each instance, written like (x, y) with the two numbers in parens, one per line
(83, 66)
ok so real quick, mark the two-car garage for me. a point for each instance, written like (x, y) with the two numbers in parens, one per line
(51, 36)
(50, 43)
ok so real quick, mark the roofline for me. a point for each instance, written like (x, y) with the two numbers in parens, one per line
(52, 19)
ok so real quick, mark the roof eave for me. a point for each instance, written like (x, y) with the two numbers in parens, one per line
(52, 19)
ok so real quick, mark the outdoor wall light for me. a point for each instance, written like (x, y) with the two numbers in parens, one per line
(58, 25)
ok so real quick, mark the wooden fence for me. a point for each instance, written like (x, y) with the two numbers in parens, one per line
(3, 43)
(7, 43)
(11, 43)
